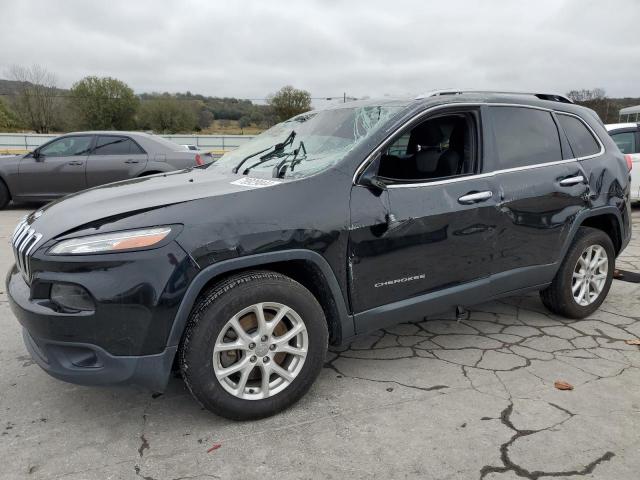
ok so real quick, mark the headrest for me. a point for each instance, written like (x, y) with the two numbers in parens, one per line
(427, 160)
(429, 134)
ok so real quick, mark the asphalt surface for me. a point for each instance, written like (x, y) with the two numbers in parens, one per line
(436, 399)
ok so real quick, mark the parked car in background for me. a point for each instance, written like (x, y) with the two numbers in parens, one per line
(627, 137)
(81, 160)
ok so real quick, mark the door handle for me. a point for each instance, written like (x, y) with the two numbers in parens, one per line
(567, 182)
(132, 161)
(75, 162)
(475, 197)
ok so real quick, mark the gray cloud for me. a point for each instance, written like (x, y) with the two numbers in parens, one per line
(251, 48)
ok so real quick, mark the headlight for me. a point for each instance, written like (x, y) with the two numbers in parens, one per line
(111, 242)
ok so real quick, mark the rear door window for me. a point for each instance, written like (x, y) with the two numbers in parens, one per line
(626, 141)
(111, 145)
(524, 137)
(580, 138)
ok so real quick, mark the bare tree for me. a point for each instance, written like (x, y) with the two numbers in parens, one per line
(586, 95)
(595, 99)
(36, 92)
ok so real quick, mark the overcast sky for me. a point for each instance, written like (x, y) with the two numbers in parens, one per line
(251, 48)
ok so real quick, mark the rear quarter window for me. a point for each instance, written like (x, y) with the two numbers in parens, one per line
(525, 136)
(580, 138)
(112, 145)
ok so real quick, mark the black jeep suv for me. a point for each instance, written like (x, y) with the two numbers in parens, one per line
(332, 224)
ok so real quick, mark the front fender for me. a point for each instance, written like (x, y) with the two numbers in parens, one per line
(260, 260)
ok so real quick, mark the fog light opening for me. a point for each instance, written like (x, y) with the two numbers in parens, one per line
(71, 297)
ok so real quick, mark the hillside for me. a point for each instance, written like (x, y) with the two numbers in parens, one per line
(214, 114)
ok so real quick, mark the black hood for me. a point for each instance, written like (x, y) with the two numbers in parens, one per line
(138, 194)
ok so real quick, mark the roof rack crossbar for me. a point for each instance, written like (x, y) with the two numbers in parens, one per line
(542, 96)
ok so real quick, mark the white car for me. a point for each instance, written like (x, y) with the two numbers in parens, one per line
(206, 156)
(627, 137)
(193, 148)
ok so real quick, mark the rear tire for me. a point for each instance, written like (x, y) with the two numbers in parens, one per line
(5, 196)
(584, 278)
(227, 333)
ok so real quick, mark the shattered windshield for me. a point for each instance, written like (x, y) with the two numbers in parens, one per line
(322, 138)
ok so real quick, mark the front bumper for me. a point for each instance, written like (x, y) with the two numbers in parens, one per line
(86, 364)
(124, 339)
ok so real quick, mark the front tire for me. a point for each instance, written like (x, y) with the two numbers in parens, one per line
(585, 275)
(253, 346)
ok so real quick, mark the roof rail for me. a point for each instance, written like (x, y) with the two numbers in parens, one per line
(554, 97)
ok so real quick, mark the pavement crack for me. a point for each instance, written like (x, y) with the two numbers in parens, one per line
(143, 446)
(432, 388)
(144, 443)
(509, 465)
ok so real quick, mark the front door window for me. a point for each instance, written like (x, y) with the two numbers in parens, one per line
(67, 147)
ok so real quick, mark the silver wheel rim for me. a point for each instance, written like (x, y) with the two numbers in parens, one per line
(260, 351)
(590, 275)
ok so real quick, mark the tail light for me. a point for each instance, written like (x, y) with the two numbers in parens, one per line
(199, 160)
(629, 160)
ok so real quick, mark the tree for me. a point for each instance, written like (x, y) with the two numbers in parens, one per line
(104, 103)
(586, 95)
(205, 117)
(288, 102)
(596, 99)
(257, 118)
(36, 97)
(166, 114)
(244, 122)
(8, 120)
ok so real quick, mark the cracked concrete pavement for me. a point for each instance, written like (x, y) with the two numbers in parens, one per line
(434, 399)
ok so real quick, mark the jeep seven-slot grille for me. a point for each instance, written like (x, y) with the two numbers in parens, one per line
(23, 242)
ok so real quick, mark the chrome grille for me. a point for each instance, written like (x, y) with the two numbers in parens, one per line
(24, 241)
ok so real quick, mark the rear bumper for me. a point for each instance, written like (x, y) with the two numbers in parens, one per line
(86, 364)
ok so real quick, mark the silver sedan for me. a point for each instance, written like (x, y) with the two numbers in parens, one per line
(81, 160)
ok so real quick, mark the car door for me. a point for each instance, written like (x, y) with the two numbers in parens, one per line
(420, 247)
(628, 141)
(55, 169)
(114, 158)
(541, 189)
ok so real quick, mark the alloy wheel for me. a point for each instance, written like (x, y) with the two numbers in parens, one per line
(590, 275)
(260, 351)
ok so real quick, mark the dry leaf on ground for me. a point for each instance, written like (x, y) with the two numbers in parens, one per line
(562, 385)
(635, 341)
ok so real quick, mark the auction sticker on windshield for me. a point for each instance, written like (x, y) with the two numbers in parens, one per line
(255, 182)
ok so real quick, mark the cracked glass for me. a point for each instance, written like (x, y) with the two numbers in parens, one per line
(322, 139)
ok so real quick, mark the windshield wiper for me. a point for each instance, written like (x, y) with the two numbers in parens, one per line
(277, 148)
(279, 171)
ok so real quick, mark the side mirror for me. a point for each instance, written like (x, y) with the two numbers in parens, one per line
(37, 156)
(370, 178)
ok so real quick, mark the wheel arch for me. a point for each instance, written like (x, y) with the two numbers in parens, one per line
(609, 224)
(608, 219)
(149, 172)
(304, 266)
